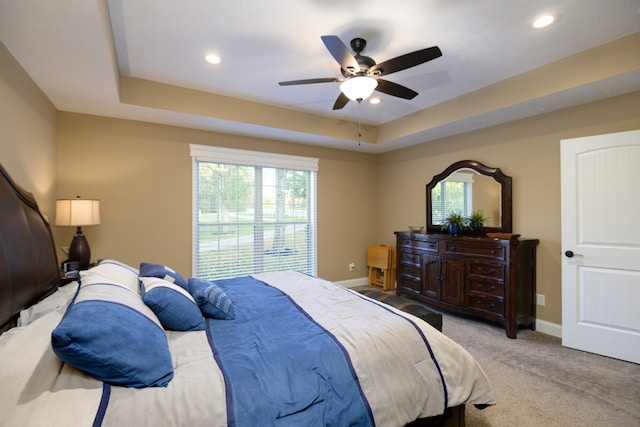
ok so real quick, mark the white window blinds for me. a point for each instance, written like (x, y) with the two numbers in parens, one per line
(252, 212)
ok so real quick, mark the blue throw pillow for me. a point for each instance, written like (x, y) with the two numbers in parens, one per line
(174, 306)
(160, 271)
(109, 333)
(212, 300)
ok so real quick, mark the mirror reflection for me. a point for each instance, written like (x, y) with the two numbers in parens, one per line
(466, 188)
(466, 191)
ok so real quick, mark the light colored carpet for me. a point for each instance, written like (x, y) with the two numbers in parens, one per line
(538, 382)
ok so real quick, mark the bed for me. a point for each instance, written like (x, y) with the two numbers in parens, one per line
(125, 346)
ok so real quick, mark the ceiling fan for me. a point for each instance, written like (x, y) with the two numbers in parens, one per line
(362, 74)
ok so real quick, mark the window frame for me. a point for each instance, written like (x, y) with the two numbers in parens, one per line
(256, 159)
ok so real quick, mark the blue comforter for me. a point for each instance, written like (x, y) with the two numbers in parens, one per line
(268, 372)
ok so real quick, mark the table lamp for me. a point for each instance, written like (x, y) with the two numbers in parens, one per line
(76, 213)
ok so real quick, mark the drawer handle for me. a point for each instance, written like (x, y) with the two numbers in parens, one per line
(427, 244)
(487, 271)
(485, 304)
(487, 288)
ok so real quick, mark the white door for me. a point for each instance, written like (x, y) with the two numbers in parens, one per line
(601, 244)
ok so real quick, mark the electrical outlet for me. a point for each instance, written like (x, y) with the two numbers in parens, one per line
(540, 300)
(352, 266)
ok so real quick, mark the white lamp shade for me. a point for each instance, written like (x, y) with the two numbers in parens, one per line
(358, 88)
(77, 212)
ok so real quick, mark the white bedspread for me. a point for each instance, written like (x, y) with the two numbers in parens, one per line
(398, 375)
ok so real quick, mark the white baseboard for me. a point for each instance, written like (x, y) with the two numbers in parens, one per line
(549, 328)
(354, 283)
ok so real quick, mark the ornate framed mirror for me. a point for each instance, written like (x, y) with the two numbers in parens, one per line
(468, 186)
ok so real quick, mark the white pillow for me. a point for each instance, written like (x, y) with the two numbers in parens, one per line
(116, 271)
(59, 298)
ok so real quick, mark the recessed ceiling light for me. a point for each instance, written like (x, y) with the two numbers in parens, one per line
(212, 59)
(543, 21)
(375, 100)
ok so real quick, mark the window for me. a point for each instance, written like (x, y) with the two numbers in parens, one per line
(453, 194)
(252, 212)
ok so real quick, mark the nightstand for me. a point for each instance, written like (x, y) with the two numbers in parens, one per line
(66, 278)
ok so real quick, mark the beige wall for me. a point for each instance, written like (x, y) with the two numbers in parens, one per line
(142, 174)
(529, 151)
(27, 133)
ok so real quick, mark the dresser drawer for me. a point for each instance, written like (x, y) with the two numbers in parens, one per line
(488, 304)
(479, 285)
(410, 270)
(407, 282)
(487, 269)
(420, 243)
(408, 257)
(492, 251)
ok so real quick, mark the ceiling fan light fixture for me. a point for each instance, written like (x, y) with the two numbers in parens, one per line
(358, 88)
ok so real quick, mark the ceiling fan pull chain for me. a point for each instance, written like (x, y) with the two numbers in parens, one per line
(359, 122)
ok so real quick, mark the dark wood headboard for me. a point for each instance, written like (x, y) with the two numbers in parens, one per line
(28, 260)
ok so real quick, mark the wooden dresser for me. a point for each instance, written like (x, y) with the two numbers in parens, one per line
(494, 279)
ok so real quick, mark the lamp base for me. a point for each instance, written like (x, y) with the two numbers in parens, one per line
(79, 250)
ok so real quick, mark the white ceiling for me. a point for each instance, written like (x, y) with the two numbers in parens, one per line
(79, 52)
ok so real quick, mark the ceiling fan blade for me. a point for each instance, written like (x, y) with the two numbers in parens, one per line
(340, 53)
(408, 60)
(309, 81)
(394, 89)
(341, 101)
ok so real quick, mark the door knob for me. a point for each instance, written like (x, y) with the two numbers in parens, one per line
(569, 254)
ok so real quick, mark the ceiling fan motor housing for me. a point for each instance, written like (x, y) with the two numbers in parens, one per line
(365, 62)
